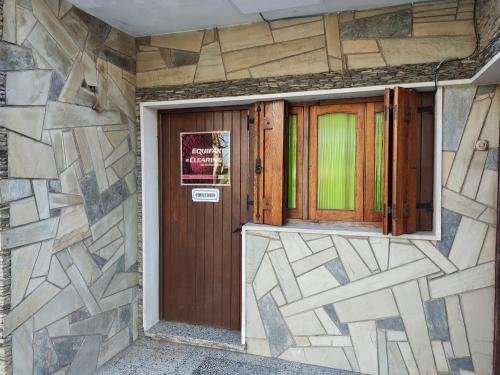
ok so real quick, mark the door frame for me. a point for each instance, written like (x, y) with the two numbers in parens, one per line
(161, 290)
(149, 177)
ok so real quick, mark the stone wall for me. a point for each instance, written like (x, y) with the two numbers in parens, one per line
(392, 36)
(488, 20)
(68, 267)
(390, 305)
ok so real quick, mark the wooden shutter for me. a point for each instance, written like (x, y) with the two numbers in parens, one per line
(269, 154)
(401, 161)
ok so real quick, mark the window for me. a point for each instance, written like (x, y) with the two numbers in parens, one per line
(361, 162)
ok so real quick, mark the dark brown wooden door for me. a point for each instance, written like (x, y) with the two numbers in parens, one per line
(200, 242)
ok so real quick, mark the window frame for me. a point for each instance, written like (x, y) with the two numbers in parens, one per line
(297, 212)
(316, 214)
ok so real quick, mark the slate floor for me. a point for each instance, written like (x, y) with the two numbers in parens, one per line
(147, 356)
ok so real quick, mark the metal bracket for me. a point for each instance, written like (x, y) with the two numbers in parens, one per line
(426, 109)
(266, 203)
(250, 121)
(258, 166)
(425, 206)
(249, 201)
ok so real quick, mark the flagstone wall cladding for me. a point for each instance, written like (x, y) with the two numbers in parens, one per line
(391, 305)
(68, 196)
(391, 36)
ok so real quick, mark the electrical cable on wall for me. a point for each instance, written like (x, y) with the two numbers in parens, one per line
(473, 54)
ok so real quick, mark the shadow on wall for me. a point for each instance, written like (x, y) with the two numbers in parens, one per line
(71, 189)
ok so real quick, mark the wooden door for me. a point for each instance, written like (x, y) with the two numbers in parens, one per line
(200, 242)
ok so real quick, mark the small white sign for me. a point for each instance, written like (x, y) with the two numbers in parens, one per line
(205, 195)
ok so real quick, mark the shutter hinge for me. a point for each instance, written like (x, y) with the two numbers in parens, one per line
(425, 206)
(407, 117)
(249, 201)
(426, 109)
(258, 166)
(250, 121)
(388, 109)
(268, 123)
(387, 210)
(406, 210)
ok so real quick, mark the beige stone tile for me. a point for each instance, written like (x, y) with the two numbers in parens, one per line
(335, 64)
(489, 245)
(435, 12)
(97, 158)
(239, 60)
(121, 42)
(254, 326)
(434, 19)
(170, 76)
(265, 279)
(435, 255)
(147, 61)
(440, 357)
(456, 326)
(210, 65)
(365, 60)
(461, 204)
(258, 347)
(443, 28)
(431, 5)
(379, 11)
(27, 121)
(24, 23)
(315, 281)
(408, 358)
(353, 264)
(478, 277)
(489, 216)
(293, 21)
(412, 312)
(468, 242)
(285, 275)
(306, 63)
(306, 264)
(465, 15)
(23, 212)
(22, 262)
(473, 177)
(380, 248)
(490, 128)
(294, 245)
(236, 37)
(73, 227)
(373, 283)
(371, 306)
(364, 341)
(30, 159)
(330, 326)
(209, 36)
(396, 335)
(305, 324)
(332, 35)
(9, 21)
(479, 323)
(330, 340)
(399, 51)
(402, 253)
(298, 31)
(278, 296)
(488, 188)
(54, 27)
(188, 41)
(362, 247)
(359, 46)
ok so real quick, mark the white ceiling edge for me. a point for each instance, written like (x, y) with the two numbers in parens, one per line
(154, 17)
(490, 73)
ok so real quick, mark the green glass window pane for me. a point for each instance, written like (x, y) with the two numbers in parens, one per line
(292, 161)
(378, 196)
(336, 161)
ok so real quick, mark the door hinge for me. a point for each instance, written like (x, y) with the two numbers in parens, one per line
(425, 206)
(250, 121)
(407, 117)
(268, 123)
(426, 109)
(249, 201)
(258, 166)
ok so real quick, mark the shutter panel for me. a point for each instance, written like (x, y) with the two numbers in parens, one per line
(404, 161)
(388, 93)
(269, 173)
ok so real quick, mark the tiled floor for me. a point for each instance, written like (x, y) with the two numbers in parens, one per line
(147, 356)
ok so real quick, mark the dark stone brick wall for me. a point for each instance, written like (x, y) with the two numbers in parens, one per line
(1, 19)
(309, 82)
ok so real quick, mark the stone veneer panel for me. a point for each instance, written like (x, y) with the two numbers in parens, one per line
(406, 311)
(73, 311)
(407, 34)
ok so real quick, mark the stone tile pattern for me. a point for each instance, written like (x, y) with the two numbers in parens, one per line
(367, 39)
(68, 199)
(389, 305)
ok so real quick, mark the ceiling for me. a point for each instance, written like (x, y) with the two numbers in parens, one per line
(152, 17)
